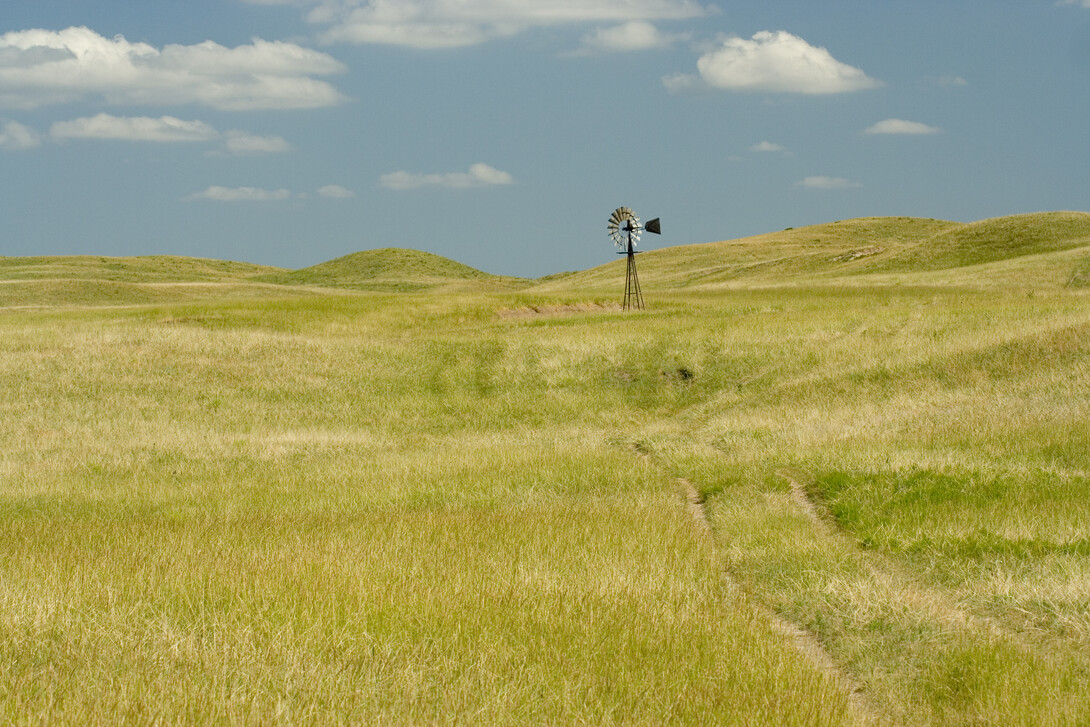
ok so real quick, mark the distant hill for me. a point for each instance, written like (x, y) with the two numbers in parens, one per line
(391, 270)
(94, 280)
(1001, 238)
(1047, 249)
(142, 269)
(1050, 247)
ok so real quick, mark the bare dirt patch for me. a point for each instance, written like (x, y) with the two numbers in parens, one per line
(532, 311)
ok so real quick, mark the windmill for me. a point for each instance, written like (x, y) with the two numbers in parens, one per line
(624, 230)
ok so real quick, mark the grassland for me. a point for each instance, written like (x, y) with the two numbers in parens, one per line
(266, 497)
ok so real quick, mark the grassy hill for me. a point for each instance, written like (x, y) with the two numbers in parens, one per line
(391, 270)
(1001, 238)
(1054, 245)
(1045, 249)
(142, 269)
(95, 280)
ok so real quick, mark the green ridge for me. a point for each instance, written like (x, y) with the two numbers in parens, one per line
(1053, 246)
(142, 269)
(388, 269)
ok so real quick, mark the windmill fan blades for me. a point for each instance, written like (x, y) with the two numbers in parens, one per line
(625, 228)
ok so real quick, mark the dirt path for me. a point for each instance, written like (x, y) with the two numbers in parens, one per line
(805, 642)
(895, 579)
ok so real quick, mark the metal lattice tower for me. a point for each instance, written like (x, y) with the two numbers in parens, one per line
(624, 229)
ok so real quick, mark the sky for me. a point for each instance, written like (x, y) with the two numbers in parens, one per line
(503, 133)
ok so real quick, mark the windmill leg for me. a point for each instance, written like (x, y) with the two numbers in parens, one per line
(628, 288)
(636, 284)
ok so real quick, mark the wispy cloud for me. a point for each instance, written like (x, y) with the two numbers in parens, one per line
(827, 183)
(134, 128)
(635, 35)
(479, 175)
(15, 136)
(900, 126)
(239, 194)
(256, 194)
(768, 147)
(241, 143)
(954, 81)
(335, 191)
(165, 129)
(43, 67)
(456, 23)
(773, 62)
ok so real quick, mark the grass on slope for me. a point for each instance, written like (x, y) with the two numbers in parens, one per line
(835, 247)
(345, 509)
(117, 281)
(391, 270)
(940, 437)
(313, 512)
(885, 245)
(1002, 238)
(143, 269)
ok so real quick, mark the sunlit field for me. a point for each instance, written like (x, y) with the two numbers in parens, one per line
(825, 478)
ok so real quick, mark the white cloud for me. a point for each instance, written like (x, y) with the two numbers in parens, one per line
(1080, 3)
(768, 147)
(166, 129)
(456, 23)
(900, 126)
(479, 175)
(239, 194)
(241, 143)
(955, 81)
(138, 128)
(776, 62)
(634, 35)
(827, 183)
(335, 191)
(15, 136)
(41, 67)
(682, 83)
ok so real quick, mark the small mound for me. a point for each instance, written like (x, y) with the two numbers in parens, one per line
(386, 270)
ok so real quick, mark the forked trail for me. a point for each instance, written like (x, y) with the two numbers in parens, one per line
(806, 643)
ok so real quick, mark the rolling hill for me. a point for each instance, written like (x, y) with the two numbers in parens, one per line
(94, 280)
(1046, 249)
(142, 269)
(391, 270)
(1049, 248)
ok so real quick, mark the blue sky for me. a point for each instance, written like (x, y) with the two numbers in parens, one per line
(502, 133)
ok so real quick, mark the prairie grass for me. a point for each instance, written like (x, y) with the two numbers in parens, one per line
(261, 503)
(345, 510)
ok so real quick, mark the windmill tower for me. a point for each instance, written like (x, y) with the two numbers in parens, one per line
(624, 230)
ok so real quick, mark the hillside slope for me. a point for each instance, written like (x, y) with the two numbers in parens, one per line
(1052, 247)
(95, 280)
(142, 269)
(1000, 238)
(391, 270)
(1044, 249)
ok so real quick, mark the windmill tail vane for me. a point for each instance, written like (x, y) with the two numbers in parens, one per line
(625, 229)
